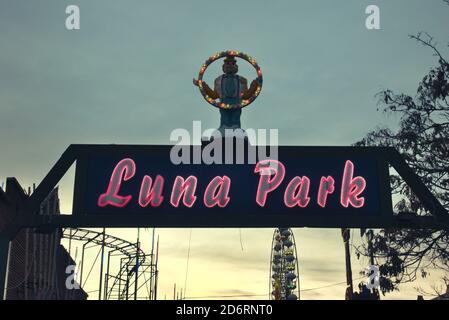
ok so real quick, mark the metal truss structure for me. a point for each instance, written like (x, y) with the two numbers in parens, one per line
(136, 268)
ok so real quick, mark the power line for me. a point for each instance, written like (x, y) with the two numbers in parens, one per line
(95, 261)
(228, 296)
(262, 295)
(329, 285)
(187, 263)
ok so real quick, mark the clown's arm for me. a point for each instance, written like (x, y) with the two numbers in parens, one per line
(211, 93)
(251, 91)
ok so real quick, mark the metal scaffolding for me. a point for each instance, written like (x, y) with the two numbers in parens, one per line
(137, 273)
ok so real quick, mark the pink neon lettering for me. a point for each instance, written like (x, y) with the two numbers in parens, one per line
(326, 187)
(297, 192)
(123, 171)
(217, 192)
(151, 194)
(352, 187)
(185, 189)
(268, 168)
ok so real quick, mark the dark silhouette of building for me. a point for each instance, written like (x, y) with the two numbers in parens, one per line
(37, 261)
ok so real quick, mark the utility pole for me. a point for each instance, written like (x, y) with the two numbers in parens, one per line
(345, 233)
(369, 236)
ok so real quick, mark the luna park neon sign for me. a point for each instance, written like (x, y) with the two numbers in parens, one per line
(270, 174)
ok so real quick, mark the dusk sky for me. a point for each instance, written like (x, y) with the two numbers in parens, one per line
(126, 78)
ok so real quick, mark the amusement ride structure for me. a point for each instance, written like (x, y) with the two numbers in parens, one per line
(127, 268)
(284, 267)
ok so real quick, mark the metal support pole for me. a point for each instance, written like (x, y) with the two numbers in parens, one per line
(120, 295)
(107, 277)
(137, 264)
(4, 255)
(101, 265)
(345, 232)
(82, 264)
(70, 242)
(152, 269)
(127, 287)
(155, 285)
(156, 279)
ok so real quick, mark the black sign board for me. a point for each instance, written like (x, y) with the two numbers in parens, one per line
(303, 186)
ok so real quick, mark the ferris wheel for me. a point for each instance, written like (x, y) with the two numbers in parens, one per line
(284, 268)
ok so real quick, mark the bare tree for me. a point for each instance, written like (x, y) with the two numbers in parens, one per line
(422, 137)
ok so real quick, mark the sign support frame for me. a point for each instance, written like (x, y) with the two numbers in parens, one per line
(27, 216)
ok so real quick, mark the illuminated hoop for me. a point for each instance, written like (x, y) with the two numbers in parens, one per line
(215, 102)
